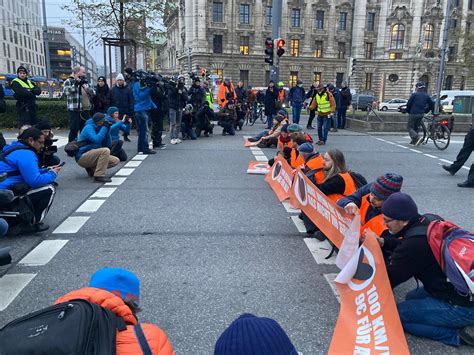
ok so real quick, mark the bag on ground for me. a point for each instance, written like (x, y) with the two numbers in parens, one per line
(72, 148)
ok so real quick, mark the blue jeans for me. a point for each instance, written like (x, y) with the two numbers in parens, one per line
(425, 316)
(260, 135)
(296, 110)
(341, 117)
(269, 121)
(324, 123)
(142, 125)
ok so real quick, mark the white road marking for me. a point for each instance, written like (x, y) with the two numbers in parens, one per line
(90, 206)
(402, 146)
(465, 167)
(258, 153)
(116, 181)
(416, 151)
(255, 148)
(261, 158)
(330, 279)
(104, 192)
(446, 161)
(430, 156)
(380, 139)
(140, 157)
(133, 163)
(299, 224)
(320, 251)
(71, 225)
(11, 285)
(392, 143)
(43, 253)
(124, 172)
(289, 208)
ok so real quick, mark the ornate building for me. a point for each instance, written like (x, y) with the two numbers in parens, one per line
(395, 42)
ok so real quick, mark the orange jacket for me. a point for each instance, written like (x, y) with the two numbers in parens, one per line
(281, 145)
(349, 189)
(281, 95)
(127, 342)
(296, 160)
(222, 94)
(316, 162)
(375, 223)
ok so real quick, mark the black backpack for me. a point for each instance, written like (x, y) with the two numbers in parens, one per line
(74, 327)
(9, 151)
(359, 180)
(72, 147)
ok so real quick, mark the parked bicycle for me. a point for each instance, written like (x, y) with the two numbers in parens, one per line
(437, 129)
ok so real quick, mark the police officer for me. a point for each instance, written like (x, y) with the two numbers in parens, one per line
(25, 92)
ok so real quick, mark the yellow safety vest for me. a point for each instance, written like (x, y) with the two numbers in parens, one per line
(27, 85)
(324, 104)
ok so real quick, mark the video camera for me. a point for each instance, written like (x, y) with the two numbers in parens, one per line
(148, 78)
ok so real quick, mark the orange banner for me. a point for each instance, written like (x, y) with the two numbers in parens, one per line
(258, 168)
(247, 143)
(368, 321)
(331, 219)
(280, 178)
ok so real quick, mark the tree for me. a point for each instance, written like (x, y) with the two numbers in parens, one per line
(140, 20)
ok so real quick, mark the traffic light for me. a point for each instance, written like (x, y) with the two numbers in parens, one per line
(352, 66)
(280, 44)
(269, 51)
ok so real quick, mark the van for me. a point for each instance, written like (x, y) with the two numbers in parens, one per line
(362, 102)
(446, 105)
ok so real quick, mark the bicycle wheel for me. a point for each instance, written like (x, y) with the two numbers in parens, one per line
(252, 118)
(441, 136)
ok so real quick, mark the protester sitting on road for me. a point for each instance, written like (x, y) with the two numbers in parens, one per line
(249, 334)
(187, 130)
(118, 290)
(95, 155)
(283, 144)
(298, 137)
(268, 138)
(227, 117)
(118, 125)
(46, 155)
(28, 182)
(436, 310)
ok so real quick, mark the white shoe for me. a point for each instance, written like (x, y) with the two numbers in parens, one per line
(173, 141)
(178, 140)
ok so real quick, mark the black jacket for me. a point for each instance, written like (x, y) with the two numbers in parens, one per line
(419, 103)
(101, 99)
(176, 100)
(122, 98)
(241, 94)
(346, 97)
(196, 96)
(159, 98)
(413, 258)
(271, 98)
(25, 96)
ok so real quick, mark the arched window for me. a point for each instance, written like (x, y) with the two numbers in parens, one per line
(428, 34)
(398, 36)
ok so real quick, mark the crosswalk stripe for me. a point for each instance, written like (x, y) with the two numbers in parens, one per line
(104, 192)
(10, 287)
(43, 253)
(320, 251)
(124, 172)
(71, 225)
(299, 224)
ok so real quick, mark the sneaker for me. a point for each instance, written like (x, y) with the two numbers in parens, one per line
(148, 152)
(206, 134)
(467, 335)
(466, 183)
(448, 169)
(177, 140)
(418, 141)
(102, 179)
(173, 141)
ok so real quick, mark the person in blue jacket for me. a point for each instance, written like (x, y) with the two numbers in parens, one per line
(94, 152)
(118, 125)
(143, 104)
(32, 186)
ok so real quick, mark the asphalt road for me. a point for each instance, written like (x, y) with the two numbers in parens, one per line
(210, 242)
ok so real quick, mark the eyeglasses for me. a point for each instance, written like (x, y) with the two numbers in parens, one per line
(387, 220)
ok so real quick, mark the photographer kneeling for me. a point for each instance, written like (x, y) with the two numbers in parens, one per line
(46, 155)
(32, 186)
(94, 151)
(118, 125)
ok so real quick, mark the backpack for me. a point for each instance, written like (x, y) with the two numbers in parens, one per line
(359, 180)
(72, 148)
(74, 327)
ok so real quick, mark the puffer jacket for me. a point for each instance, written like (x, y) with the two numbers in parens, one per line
(127, 342)
(98, 137)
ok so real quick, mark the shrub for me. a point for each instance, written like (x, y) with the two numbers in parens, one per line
(52, 109)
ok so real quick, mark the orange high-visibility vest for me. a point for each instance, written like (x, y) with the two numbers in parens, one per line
(314, 163)
(349, 189)
(375, 223)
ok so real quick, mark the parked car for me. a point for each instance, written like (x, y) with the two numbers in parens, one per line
(362, 102)
(392, 104)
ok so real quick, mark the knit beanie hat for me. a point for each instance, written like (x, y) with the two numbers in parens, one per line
(129, 71)
(306, 148)
(101, 78)
(98, 116)
(22, 68)
(249, 334)
(283, 112)
(400, 207)
(43, 124)
(120, 282)
(119, 77)
(284, 128)
(386, 185)
(294, 128)
(279, 118)
(111, 110)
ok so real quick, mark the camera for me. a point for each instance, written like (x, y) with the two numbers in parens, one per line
(126, 119)
(107, 124)
(82, 80)
(49, 148)
(148, 78)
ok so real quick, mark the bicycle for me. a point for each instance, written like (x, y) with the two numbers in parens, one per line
(435, 129)
(250, 116)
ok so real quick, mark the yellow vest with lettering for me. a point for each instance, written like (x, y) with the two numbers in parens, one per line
(27, 85)
(324, 105)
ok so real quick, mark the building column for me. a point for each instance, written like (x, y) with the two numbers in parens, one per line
(358, 29)
(382, 31)
(416, 28)
(188, 24)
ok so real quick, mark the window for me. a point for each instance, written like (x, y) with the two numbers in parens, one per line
(319, 21)
(244, 14)
(341, 50)
(318, 49)
(339, 79)
(371, 21)
(394, 55)
(295, 47)
(217, 44)
(448, 83)
(369, 50)
(293, 78)
(470, 5)
(244, 77)
(452, 54)
(468, 27)
(368, 81)
(398, 36)
(342, 21)
(454, 24)
(244, 45)
(217, 12)
(317, 77)
(428, 34)
(268, 15)
(219, 73)
(16, 53)
(295, 18)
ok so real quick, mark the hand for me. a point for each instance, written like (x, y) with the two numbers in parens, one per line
(351, 208)
(180, 91)
(369, 233)
(55, 168)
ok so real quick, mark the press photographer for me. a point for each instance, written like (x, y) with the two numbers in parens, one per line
(177, 98)
(47, 155)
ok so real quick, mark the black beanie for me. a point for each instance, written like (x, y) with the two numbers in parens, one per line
(400, 207)
(44, 124)
(22, 68)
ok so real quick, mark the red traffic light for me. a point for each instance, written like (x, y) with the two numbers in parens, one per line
(280, 43)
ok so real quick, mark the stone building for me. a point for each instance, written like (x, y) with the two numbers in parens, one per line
(395, 42)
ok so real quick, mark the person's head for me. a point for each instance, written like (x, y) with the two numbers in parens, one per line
(22, 72)
(320, 89)
(128, 73)
(181, 79)
(32, 137)
(281, 84)
(197, 81)
(344, 85)
(98, 118)
(227, 81)
(188, 108)
(278, 119)
(240, 84)
(299, 83)
(398, 210)
(284, 132)
(45, 127)
(334, 163)
(78, 71)
(205, 84)
(121, 283)
(249, 334)
(231, 104)
(420, 86)
(113, 112)
(271, 84)
(101, 81)
(383, 187)
(120, 80)
(283, 112)
(331, 87)
(306, 149)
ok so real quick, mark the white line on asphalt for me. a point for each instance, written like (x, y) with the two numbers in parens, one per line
(392, 143)
(140, 157)
(299, 224)
(133, 163)
(258, 153)
(255, 148)
(330, 279)
(465, 167)
(104, 192)
(402, 146)
(261, 158)
(446, 161)
(416, 151)
(43, 253)
(71, 225)
(430, 156)
(11, 286)
(289, 208)
(124, 172)
(116, 181)
(380, 139)
(90, 206)
(320, 251)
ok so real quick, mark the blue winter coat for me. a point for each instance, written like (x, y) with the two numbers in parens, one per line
(26, 162)
(297, 95)
(117, 127)
(122, 98)
(337, 98)
(142, 98)
(419, 103)
(98, 137)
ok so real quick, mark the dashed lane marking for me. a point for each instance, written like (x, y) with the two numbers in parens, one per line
(380, 139)
(416, 151)
(299, 224)
(320, 251)
(124, 172)
(140, 157)
(90, 206)
(255, 148)
(133, 164)
(289, 208)
(446, 161)
(116, 181)
(10, 287)
(465, 167)
(261, 158)
(104, 192)
(402, 146)
(71, 225)
(430, 156)
(330, 279)
(258, 153)
(43, 253)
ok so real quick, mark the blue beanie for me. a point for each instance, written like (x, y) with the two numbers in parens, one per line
(400, 206)
(284, 128)
(249, 334)
(306, 148)
(294, 128)
(111, 110)
(120, 282)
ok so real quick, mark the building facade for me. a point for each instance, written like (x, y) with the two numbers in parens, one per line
(395, 43)
(21, 37)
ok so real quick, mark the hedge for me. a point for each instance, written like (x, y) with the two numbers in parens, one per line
(52, 109)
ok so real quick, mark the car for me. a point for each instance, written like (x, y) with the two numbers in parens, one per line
(362, 102)
(392, 104)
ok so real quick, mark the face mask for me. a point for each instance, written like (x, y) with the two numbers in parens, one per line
(300, 85)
